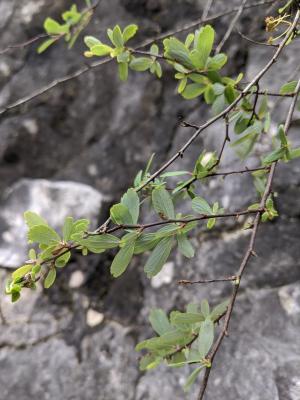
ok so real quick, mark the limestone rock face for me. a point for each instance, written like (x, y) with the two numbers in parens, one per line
(53, 200)
(74, 151)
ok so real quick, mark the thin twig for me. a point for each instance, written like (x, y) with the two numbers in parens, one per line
(231, 27)
(255, 41)
(84, 69)
(228, 279)
(250, 250)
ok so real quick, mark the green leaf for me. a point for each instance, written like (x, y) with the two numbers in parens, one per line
(43, 234)
(158, 257)
(159, 321)
(282, 136)
(91, 41)
(295, 153)
(129, 32)
(187, 318)
(288, 88)
(149, 362)
(162, 203)
(219, 104)
(117, 37)
(80, 226)
(205, 308)
(217, 62)
(131, 200)
(120, 214)
(192, 378)
(100, 243)
(123, 71)
(140, 64)
(44, 46)
(50, 278)
(209, 94)
(193, 90)
(22, 271)
(230, 94)
(274, 156)
(211, 223)
(201, 206)
(52, 27)
(174, 173)
(204, 41)
(158, 69)
(184, 246)
(61, 261)
(67, 228)
(101, 50)
(122, 259)
(182, 85)
(32, 219)
(219, 310)
(145, 242)
(177, 51)
(15, 296)
(206, 337)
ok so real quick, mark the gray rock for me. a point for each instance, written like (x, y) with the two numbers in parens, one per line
(54, 200)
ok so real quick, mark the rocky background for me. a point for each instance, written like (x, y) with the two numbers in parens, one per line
(74, 151)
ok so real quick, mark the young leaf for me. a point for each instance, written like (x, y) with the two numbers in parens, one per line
(32, 219)
(122, 259)
(149, 361)
(54, 28)
(140, 64)
(187, 318)
(206, 337)
(145, 242)
(193, 90)
(158, 257)
(174, 173)
(60, 262)
(120, 214)
(129, 32)
(44, 46)
(201, 206)
(217, 62)
(184, 246)
(219, 310)
(159, 321)
(274, 156)
(192, 378)
(117, 37)
(100, 243)
(205, 308)
(91, 41)
(123, 71)
(67, 228)
(162, 203)
(43, 234)
(50, 278)
(101, 50)
(177, 51)
(131, 200)
(288, 88)
(204, 41)
(20, 272)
